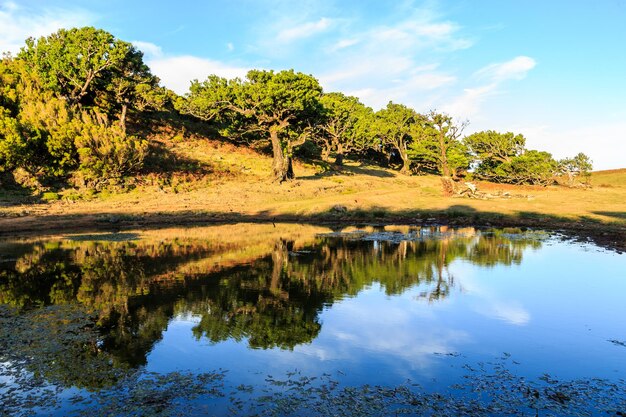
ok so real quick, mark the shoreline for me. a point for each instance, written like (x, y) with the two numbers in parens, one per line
(610, 236)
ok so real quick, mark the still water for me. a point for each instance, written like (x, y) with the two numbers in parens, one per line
(253, 319)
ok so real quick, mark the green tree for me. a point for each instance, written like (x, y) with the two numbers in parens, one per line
(280, 106)
(393, 126)
(346, 126)
(132, 85)
(492, 148)
(76, 63)
(436, 146)
(531, 167)
(106, 152)
(579, 166)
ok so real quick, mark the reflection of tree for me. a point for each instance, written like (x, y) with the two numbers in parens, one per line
(272, 299)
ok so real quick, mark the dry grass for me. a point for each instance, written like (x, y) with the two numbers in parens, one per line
(239, 185)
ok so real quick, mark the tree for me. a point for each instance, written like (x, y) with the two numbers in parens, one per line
(578, 166)
(77, 62)
(345, 126)
(490, 146)
(132, 85)
(393, 127)
(531, 167)
(280, 106)
(436, 146)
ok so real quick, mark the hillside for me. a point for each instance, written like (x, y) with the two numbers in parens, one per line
(224, 182)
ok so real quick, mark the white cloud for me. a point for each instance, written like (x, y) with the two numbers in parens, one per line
(149, 49)
(515, 69)
(177, 72)
(303, 30)
(398, 61)
(230, 46)
(342, 44)
(17, 23)
(604, 143)
(493, 76)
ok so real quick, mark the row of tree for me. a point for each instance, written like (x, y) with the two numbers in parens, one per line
(65, 100)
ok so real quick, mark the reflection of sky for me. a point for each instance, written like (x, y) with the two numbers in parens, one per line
(553, 313)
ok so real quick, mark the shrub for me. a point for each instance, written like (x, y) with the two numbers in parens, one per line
(107, 153)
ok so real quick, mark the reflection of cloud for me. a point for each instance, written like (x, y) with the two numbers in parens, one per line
(405, 333)
(485, 300)
(512, 313)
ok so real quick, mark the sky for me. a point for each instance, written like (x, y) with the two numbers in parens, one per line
(554, 71)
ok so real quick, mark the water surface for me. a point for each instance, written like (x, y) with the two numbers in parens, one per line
(247, 318)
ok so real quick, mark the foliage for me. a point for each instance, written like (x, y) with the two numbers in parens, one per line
(579, 166)
(491, 147)
(50, 93)
(65, 100)
(436, 147)
(393, 126)
(346, 126)
(279, 106)
(77, 63)
(107, 152)
(531, 167)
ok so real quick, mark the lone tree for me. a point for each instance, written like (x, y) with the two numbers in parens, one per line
(492, 148)
(436, 145)
(345, 126)
(280, 106)
(578, 166)
(393, 126)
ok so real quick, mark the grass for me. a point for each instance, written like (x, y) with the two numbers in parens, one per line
(235, 186)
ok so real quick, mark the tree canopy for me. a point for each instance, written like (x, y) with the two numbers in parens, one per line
(280, 106)
(65, 100)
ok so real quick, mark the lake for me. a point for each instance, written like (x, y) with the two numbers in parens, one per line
(287, 319)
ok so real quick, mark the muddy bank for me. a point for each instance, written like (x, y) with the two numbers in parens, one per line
(607, 235)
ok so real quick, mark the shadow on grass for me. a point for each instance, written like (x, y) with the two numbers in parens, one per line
(617, 214)
(162, 161)
(331, 170)
(14, 194)
(610, 235)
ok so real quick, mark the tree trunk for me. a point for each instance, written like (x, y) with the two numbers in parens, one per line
(339, 157)
(289, 175)
(445, 168)
(279, 260)
(123, 117)
(406, 162)
(279, 165)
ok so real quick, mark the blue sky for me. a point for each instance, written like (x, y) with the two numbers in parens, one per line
(554, 71)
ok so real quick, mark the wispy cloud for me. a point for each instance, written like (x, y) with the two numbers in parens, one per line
(492, 76)
(303, 30)
(17, 23)
(515, 69)
(397, 61)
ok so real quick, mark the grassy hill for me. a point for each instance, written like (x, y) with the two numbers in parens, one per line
(198, 180)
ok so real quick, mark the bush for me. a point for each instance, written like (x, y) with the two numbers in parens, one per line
(107, 153)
